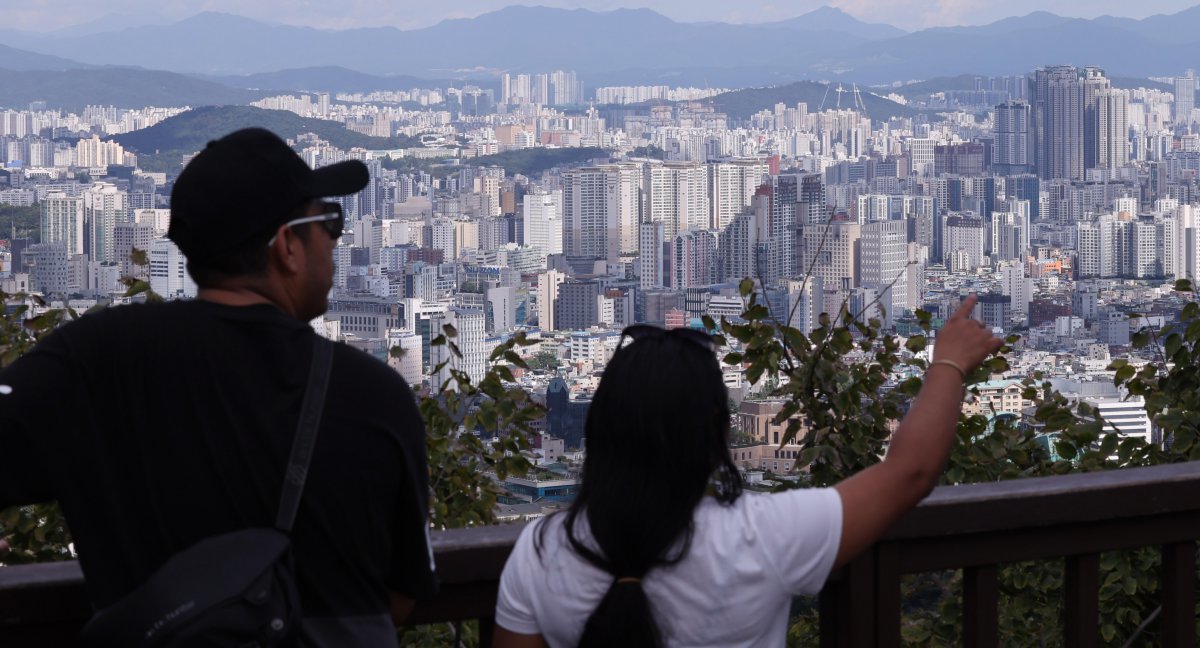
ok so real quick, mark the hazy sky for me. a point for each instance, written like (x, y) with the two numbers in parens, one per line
(46, 15)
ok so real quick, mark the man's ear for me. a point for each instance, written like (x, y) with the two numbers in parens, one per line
(286, 251)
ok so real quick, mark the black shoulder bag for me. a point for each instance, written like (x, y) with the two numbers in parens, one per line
(235, 589)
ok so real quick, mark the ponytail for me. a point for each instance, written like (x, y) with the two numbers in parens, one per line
(623, 618)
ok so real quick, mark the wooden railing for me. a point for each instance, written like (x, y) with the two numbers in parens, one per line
(979, 527)
(976, 527)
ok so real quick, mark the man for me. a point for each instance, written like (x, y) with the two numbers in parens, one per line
(156, 426)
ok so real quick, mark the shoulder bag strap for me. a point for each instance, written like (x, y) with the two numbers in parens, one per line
(306, 434)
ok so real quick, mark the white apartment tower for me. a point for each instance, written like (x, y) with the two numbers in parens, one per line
(676, 195)
(651, 241)
(63, 220)
(732, 184)
(883, 258)
(1185, 97)
(104, 207)
(831, 250)
(600, 210)
(543, 222)
(547, 293)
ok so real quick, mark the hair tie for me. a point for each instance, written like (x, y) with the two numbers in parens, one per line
(628, 580)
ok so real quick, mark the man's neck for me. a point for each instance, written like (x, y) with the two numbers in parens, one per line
(240, 296)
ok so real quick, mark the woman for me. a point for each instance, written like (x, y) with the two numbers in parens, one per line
(644, 558)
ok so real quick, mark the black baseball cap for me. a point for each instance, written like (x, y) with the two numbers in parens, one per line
(243, 186)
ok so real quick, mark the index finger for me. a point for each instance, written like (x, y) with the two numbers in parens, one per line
(964, 310)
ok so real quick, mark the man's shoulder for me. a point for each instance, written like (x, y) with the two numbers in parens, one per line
(364, 367)
(105, 325)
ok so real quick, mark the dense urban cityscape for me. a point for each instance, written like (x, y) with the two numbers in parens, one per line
(1067, 199)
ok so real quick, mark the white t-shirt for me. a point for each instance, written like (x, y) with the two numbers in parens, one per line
(734, 587)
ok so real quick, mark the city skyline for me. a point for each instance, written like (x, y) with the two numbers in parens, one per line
(910, 15)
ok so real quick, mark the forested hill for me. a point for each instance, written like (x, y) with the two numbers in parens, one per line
(162, 146)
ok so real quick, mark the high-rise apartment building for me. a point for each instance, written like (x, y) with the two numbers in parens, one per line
(1011, 152)
(577, 306)
(1056, 102)
(921, 154)
(964, 243)
(693, 259)
(49, 268)
(1185, 98)
(548, 284)
(831, 251)
(812, 208)
(543, 222)
(104, 207)
(63, 221)
(743, 243)
(652, 272)
(676, 195)
(1113, 149)
(883, 257)
(1079, 123)
(732, 184)
(600, 210)
(1010, 230)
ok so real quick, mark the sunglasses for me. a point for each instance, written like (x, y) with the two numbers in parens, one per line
(331, 220)
(646, 331)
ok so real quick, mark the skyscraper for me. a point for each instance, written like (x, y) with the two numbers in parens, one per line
(104, 206)
(1057, 131)
(1185, 98)
(693, 259)
(883, 255)
(732, 184)
(600, 210)
(742, 242)
(1012, 138)
(543, 223)
(548, 284)
(676, 195)
(1112, 129)
(651, 242)
(62, 221)
(1095, 87)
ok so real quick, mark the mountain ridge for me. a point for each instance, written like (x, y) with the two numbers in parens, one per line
(824, 44)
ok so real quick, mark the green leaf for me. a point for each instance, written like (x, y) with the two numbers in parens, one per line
(137, 287)
(746, 287)
(1140, 339)
(916, 343)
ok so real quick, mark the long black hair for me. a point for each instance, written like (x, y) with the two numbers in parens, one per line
(657, 440)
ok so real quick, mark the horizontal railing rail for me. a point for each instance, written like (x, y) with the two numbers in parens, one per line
(976, 527)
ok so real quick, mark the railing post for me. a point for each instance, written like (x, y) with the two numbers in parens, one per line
(829, 610)
(980, 600)
(487, 628)
(887, 595)
(856, 603)
(1081, 605)
(1179, 595)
